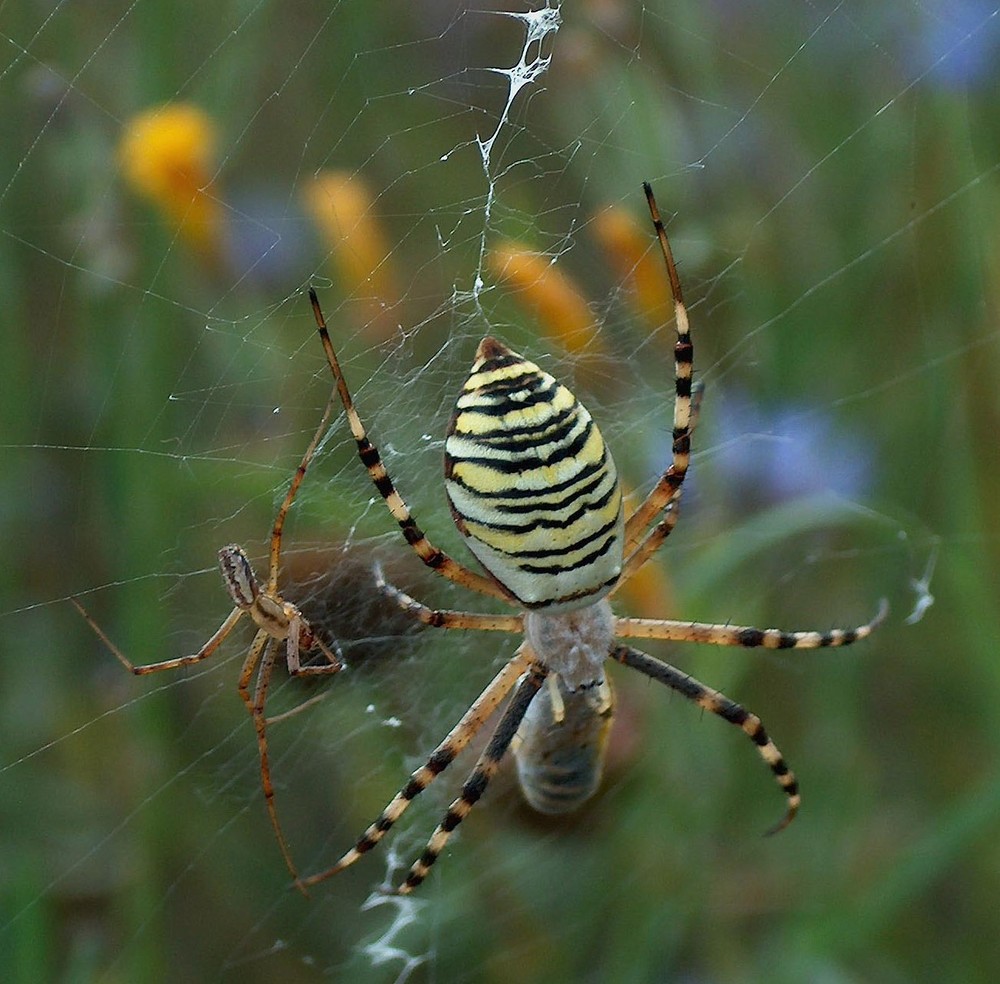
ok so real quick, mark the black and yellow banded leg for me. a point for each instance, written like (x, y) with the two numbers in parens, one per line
(744, 635)
(434, 558)
(479, 778)
(728, 710)
(646, 548)
(673, 478)
(446, 618)
(442, 756)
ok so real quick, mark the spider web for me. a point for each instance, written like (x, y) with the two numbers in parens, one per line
(439, 172)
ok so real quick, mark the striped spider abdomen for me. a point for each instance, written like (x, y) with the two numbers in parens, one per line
(532, 485)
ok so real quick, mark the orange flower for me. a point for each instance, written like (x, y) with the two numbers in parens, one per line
(167, 154)
(341, 205)
(628, 247)
(559, 305)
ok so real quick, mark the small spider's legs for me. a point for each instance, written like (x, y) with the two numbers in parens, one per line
(265, 650)
(434, 558)
(168, 664)
(669, 484)
(249, 665)
(333, 661)
(480, 776)
(278, 621)
(333, 665)
(442, 756)
(743, 635)
(717, 703)
(445, 618)
(300, 473)
(297, 709)
(671, 510)
(300, 635)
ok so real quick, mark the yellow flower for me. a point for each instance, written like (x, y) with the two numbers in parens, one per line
(341, 205)
(167, 154)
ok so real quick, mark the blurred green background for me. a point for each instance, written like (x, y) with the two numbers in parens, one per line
(830, 175)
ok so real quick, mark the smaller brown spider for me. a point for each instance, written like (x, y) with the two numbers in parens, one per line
(277, 621)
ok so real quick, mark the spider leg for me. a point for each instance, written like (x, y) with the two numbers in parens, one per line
(300, 473)
(249, 665)
(293, 650)
(168, 664)
(480, 776)
(442, 756)
(333, 662)
(672, 479)
(262, 654)
(728, 710)
(445, 618)
(270, 651)
(260, 657)
(671, 510)
(333, 665)
(434, 558)
(297, 709)
(744, 635)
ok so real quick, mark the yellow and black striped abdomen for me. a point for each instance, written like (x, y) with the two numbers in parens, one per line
(532, 484)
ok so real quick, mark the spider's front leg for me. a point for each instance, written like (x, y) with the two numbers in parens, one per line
(436, 559)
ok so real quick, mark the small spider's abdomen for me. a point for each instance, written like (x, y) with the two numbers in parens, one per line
(238, 576)
(560, 751)
(532, 484)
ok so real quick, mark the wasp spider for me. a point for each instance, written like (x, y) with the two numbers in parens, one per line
(533, 488)
(278, 621)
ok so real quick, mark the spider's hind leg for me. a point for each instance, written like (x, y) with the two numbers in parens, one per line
(479, 778)
(719, 704)
(442, 756)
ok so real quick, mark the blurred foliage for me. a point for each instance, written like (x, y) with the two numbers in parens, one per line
(831, 182)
